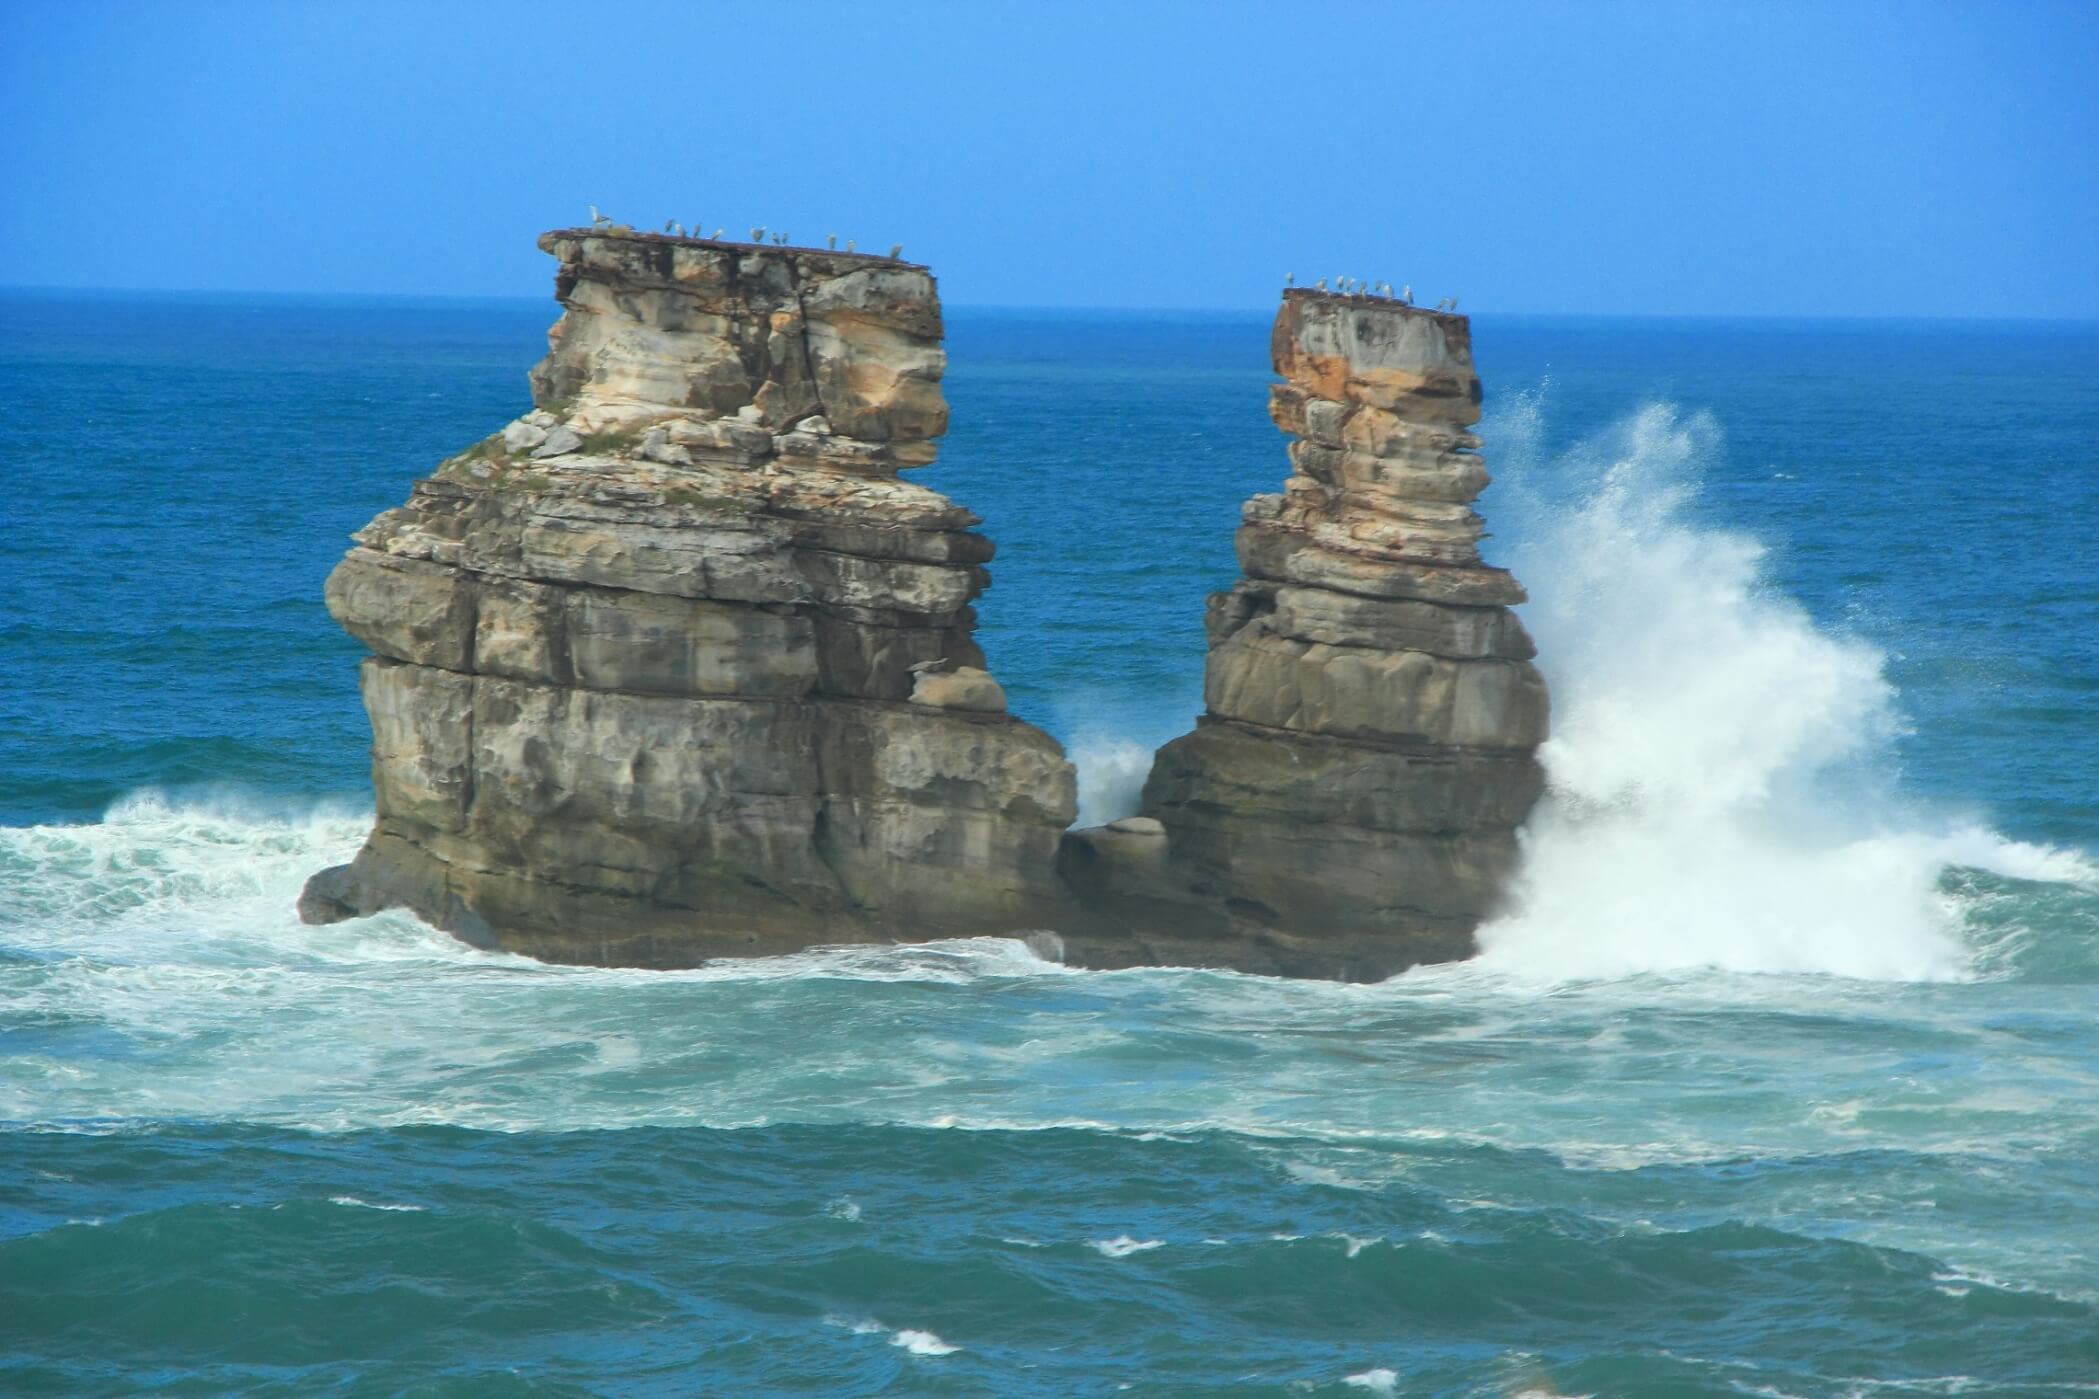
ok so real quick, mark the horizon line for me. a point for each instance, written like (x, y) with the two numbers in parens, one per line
(518, 299)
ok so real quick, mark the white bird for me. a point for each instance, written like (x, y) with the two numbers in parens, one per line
(831, 240)
(1406, 293)
(1319, 285)
(597, 220)
(1453, 303)
(849, 245)
(669, 224)
(717, 235)
(896, 250)
(1289, 279)
(757, 235)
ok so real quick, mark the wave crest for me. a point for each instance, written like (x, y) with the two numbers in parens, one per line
(1718, 792)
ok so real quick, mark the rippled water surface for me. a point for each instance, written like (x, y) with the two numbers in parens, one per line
(1780, 1075)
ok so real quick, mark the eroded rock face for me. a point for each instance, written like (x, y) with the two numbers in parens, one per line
(1348, 805)
(676, 665)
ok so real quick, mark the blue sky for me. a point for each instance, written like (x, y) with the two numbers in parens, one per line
(1916, 158)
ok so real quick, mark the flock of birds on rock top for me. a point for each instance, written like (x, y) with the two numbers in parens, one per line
(1345, 286)
(1380, 291)
(675, 229)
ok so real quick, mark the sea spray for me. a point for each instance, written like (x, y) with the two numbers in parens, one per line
(1716, 766)
(1111, 777)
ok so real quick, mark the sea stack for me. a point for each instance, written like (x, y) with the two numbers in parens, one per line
(676, 665)
(1347, 806)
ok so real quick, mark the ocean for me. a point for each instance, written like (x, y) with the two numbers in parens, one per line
(1779, 1075)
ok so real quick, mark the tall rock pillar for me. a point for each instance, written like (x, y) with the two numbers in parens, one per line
(1348, 804)
(677, 665)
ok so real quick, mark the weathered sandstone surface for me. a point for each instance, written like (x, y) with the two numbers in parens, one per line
(676, 665)
(1347, 806)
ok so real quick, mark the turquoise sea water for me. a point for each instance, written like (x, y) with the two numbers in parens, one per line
(1780, 1076)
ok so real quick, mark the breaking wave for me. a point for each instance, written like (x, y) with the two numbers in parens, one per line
(1719, 793)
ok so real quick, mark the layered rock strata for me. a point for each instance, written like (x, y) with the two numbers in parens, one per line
(676, 665)
(1348, 804)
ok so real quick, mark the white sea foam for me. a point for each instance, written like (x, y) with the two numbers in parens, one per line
(1378, 1380)
(859, 1326)
(1716, 758)
(1122, 1246)
(922, 1343)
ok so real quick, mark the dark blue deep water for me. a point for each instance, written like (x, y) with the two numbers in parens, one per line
(1780, 1075)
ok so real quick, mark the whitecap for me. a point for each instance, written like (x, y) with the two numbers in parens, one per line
(1720, 791)
(922, 1343)
(1122, 1246)
(859, 1326)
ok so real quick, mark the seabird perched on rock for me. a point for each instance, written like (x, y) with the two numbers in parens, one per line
(670, 225)
(896, 250)
(1453, 303)
(1319, 285)
(717, 235)
(597, 219)
(1406, 293)
(831, 240)
(758, 235)
(1289, 279)
(849, 245)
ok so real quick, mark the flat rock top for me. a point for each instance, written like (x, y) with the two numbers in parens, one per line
(738, 246)
(1367, 302)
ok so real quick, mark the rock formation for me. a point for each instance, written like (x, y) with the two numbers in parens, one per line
(676, 665)
(1347, 807)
